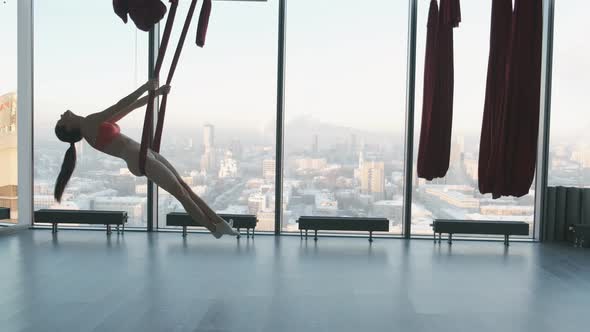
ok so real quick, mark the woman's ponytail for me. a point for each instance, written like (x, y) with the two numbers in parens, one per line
(67, 168)
(71, 136)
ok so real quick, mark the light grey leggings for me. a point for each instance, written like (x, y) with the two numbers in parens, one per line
(159, 170)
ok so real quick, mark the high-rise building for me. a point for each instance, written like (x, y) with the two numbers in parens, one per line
(208, 159)
(358, 169)
(457, 151)
(361, 159)
(372, 175)
(269, 169)
(209, 162)
(208, 136)
(315, 145)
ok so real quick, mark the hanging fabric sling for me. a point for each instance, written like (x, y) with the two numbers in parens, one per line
(511, 164)
(450, 17)
(437, 114)
(425, 165)
(201, 34)
(144, 13)
(498, 58)
(519, 134)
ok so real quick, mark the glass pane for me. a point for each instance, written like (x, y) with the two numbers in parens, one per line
(8, 130)
(456, 196)
(345, 110)
(220, 121)
(569, 151)
(86, 59)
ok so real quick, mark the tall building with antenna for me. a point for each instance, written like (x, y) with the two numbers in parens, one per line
(208, 159)
(315, 144)
(208, 136)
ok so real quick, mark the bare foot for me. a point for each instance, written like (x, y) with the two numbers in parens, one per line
(222, 228)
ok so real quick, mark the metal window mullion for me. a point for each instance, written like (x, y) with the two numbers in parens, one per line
(25, 102)
(280, 118)
(545, 117)
(410, 105)
(152, 189)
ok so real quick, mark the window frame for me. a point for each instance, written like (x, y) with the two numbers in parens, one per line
(26, 116)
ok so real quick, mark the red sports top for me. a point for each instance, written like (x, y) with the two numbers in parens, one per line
(107, 132)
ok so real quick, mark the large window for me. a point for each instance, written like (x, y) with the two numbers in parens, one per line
(8, 97)
(220, 125)
(86, 59)
(345, 108)
(569, 150)
(456, 196)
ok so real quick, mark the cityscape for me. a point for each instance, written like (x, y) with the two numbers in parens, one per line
(349, 174)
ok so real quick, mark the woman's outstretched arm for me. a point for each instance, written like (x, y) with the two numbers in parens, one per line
(137, 104)
(122, 104)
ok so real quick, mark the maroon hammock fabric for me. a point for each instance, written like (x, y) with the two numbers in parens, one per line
(121, 8)
(517, 157)
(499, 49)
(437, 113)
(173, 66)
(511, 166)
(203, 23)
(144, 13)
(449, 18)
(425, 168)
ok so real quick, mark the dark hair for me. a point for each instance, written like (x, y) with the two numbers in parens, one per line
(69, 163)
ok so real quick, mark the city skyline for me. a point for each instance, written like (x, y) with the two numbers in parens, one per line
(316, 182)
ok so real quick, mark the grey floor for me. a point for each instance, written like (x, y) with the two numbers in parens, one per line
(86, 281)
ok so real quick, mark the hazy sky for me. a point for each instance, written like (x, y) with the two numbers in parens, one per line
(471, 41)
(346, 63)
(570, 112)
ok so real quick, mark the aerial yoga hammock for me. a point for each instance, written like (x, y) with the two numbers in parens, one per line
(437, 110)
(101, 131)
(508, 144)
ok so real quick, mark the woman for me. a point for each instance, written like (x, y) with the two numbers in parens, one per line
(101, 131)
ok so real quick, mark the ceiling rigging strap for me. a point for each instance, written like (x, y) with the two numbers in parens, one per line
(149, 114)
(179, 47)
(201, 33)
